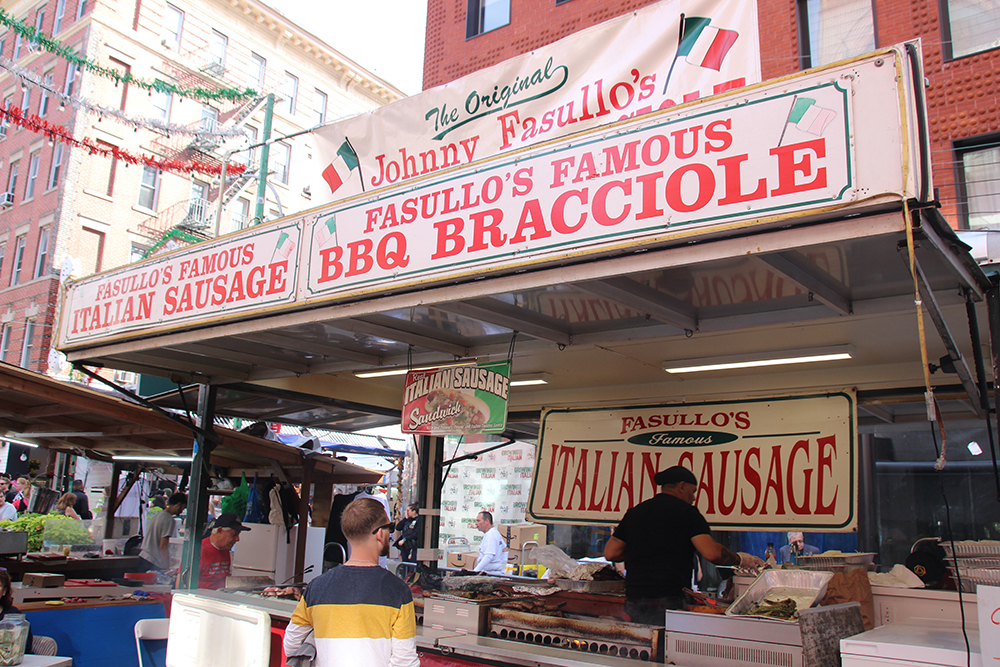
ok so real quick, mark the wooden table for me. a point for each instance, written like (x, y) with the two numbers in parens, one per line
(106, 567)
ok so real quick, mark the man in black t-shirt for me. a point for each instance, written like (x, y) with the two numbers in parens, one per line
(657, 539)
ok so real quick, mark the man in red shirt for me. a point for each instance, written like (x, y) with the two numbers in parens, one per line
(216, 551)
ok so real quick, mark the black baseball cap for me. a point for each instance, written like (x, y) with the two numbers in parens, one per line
(674, 475)
(229, 520)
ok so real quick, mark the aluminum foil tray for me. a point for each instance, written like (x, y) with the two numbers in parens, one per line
(811, 584)
(972, 549)
(840, 563)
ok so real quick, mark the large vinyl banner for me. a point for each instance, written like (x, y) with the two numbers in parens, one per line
(767, 464)
(672, 52)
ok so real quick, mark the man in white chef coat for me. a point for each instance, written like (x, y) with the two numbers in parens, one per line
(492, 550)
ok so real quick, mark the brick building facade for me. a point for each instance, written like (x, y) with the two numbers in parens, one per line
(959, 42)
(66, 211)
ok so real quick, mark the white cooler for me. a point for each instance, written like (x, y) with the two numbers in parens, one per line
(897, 644)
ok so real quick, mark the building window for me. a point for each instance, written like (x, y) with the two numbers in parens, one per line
(280, 154)
(290, 90)
(124, 70)
(832, 30)
(26, 100)
(39, 20)
(42, 256)
(3, 250)
(241, 219)
(60, 15)
(486, 15)
(319, 107)
(43, 107)
(100, 180)
(12, 178)
(15, 269)
(28, 344)
(7, 101)
(173, 25)
(217, 43)
(91, 250)
(209, 118)
(81, 9)
(4, 341)
(137, 252)
(57, 158)
(252, 153)
(149, 188)
(29, 189)
(979, 184)
(969, 26)
(18, 43)
(70, 78)
(561, 2)
(258, 70)
(162, 101)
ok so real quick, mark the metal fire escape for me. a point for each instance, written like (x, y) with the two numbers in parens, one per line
(194, 219)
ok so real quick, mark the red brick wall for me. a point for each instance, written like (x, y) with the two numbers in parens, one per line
(962, 99)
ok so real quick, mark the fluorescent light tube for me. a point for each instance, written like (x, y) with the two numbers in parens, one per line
(760, 359)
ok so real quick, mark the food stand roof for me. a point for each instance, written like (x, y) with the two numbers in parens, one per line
(596, 316)
(604, 326)
(70, 418)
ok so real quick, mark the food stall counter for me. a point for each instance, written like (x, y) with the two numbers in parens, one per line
(105, 567)
(438, 647)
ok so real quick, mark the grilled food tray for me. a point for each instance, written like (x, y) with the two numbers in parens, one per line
(808, 586)
(613, 586)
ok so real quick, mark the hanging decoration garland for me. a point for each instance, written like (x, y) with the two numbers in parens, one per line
(28, 76)
(60, 133)
(42, 40)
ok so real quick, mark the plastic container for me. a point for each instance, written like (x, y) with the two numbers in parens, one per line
(145, 577)
(13, 638)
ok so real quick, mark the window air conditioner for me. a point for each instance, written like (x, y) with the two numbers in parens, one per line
(6, 199)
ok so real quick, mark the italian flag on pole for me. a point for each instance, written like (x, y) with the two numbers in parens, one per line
(340, 169)
(704, 45)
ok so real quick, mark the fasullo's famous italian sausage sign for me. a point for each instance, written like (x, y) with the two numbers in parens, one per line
(766, 464)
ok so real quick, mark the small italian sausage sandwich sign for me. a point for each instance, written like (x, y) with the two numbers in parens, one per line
(457, 401)
(766, 464)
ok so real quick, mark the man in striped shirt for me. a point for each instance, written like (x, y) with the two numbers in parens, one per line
(361, 614)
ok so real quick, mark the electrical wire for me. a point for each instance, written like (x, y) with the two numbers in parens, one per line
(954, 554)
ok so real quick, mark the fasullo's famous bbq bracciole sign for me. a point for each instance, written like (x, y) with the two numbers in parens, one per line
(779, 463)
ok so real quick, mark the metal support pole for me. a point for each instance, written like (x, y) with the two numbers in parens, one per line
(867, 496)
(430, 456)
(198, 490)
(112, 501)
(265, 150)
(308, 466)
(993, 313)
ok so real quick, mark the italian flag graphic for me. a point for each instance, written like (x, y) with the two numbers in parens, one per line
(343, 165)
(326, 230)
(285, 245)
(806, 116)
(704, 45)
(810, 117)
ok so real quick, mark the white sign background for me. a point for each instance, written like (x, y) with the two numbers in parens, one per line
(610, 71)
(767, 464)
